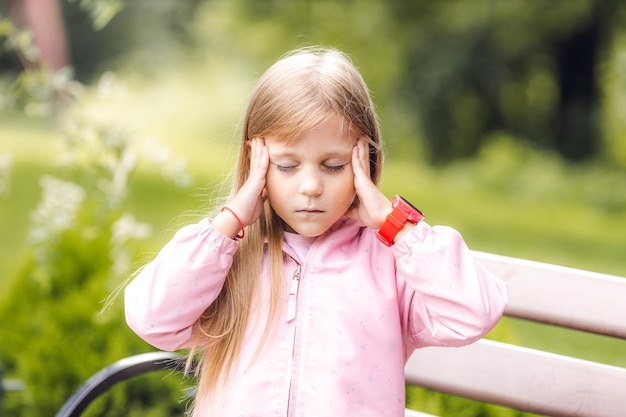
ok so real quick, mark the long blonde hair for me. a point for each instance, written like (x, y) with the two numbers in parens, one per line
(298, 92)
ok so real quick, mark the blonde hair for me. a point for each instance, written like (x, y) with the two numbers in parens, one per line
(301, 90)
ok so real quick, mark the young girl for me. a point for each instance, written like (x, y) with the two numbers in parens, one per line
(307, 292)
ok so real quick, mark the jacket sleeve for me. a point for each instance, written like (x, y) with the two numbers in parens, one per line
(170, 293)
(449, 298)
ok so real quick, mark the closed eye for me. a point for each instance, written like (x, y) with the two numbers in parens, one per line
(335, 168)
(284, 168)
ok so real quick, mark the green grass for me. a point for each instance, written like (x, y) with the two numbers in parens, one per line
(31, 149)
(565, 232)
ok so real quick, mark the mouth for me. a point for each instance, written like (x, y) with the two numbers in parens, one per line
(310, 211)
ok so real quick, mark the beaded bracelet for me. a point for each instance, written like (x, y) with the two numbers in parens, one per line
(243, 233)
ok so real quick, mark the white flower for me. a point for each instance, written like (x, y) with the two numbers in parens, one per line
(120, 173)
(110, 87)
(60, 201)
(124, 229)
(172, 168)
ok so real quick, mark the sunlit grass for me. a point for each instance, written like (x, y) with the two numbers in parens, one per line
(557, 230)
(32, 152)
(195, 113)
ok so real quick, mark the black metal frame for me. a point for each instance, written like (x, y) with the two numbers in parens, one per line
(119, 371)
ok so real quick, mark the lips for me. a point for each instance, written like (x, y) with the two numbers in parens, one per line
(310, 211)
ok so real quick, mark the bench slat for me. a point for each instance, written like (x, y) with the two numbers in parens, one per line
(559, 295)
(521, 378)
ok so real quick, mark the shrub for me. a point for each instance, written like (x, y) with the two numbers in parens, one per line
(55, 334)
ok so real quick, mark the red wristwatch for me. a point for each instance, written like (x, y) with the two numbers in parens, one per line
(403, 212)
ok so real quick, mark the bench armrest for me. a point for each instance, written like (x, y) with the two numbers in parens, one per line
(119, 371)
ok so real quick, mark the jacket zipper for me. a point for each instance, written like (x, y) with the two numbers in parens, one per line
(291, 315)
(293, 293)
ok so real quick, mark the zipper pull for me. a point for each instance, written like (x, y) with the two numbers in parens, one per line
(293, 293)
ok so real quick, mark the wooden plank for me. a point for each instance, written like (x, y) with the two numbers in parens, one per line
(521, 378)
(563, 296)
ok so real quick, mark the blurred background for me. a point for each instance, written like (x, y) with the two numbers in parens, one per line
(119, 123)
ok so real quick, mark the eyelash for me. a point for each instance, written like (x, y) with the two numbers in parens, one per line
(334, 168)
(285, 168)
(330, 168)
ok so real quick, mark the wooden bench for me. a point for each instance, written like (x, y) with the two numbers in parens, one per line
(513, 376)
(533, 380)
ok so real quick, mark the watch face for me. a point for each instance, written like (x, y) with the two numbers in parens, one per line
(410, 205)
(414, 214)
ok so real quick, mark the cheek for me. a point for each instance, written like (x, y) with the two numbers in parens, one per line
(272, 185)
(274, 177)
(350, 178)
(345, 186)
(280, 189)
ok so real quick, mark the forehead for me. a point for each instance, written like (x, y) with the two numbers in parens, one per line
(328, 137)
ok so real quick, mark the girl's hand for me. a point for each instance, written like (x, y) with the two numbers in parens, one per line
(248, 202)
(372, 207)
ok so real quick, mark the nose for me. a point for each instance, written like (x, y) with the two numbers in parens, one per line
(311, 184)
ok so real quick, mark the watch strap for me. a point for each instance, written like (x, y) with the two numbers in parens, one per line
(395, 221)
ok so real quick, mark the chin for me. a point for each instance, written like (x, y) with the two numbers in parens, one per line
(309, 232)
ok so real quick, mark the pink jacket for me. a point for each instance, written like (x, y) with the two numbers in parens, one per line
(354, 312)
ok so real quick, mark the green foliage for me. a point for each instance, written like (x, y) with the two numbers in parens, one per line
(511, 166)
(613, 83)
(55, 334)
(57, 339)
(485, 66)
(101, 11)
(34, 90)
(80, 240)
(17, 40)
(439, 404)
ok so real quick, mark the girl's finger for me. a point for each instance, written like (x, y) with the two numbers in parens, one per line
(360, 159)
(364, 154)
(259, 156)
